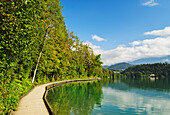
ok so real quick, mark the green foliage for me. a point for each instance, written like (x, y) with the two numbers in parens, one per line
(10, 93)
(111, 74)
(25, 26)
(161, 70)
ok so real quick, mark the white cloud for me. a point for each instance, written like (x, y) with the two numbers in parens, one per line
(150, 3)
(165, 60)
(135, 43)
(95, 37)
(163, 32)
(157, 47)
(142, 101)
(96, 49)
(91, 45)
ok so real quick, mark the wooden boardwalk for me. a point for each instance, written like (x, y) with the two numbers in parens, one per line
(33, 104)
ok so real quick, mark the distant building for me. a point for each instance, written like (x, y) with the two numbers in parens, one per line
(116, 71)
(152, 77)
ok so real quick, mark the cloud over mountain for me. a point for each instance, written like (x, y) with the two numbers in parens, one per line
(157, 47)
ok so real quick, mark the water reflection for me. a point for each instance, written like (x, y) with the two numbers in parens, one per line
(75, 98)
(124, 98)
(158, 85)
(110, 97)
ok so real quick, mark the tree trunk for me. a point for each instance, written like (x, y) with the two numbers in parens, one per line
(39, 56)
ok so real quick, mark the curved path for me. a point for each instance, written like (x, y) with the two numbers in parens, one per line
(33, 104)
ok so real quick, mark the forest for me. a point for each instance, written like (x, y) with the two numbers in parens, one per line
(35, 42)
(142, 71)
(160, 70)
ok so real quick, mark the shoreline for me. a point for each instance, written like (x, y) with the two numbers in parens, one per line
(34, 102)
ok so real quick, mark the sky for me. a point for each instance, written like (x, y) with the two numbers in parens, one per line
(121, 30)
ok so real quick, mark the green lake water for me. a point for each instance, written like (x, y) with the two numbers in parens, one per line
(111, 97)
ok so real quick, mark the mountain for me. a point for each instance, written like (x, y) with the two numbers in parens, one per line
(151, 60)
(106, 67)
(118, 66)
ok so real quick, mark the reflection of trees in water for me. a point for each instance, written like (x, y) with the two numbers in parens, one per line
(148, 88)
(159, 85)
(115, 84)
(78, 98)
(127, 84)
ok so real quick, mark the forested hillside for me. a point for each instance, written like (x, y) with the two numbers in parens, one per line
(161, 70)
(34, 35)
(119, 66)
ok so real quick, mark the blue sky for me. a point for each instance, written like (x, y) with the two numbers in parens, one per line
(110, 26)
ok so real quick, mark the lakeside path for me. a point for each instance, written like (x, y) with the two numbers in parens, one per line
(32, 103)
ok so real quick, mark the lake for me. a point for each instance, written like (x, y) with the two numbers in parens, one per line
(111, 97)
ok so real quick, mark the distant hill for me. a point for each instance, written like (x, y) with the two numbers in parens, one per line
(161, 70)
(151, 60)
(106, 67)
(118, 66)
